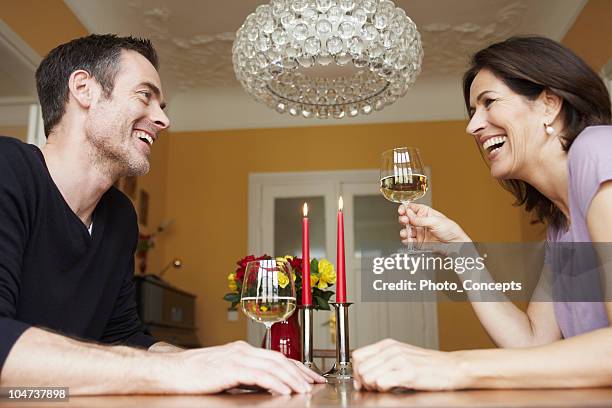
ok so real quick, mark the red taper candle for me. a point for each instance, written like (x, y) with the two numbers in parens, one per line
(340, 272)
(306, 289)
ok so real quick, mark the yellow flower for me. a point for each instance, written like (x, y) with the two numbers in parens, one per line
(322, 284)
(283, 280)
(283, 259)
(283, 263)
(231, 282)
(263, 308)
(327, 272)
(313, 280)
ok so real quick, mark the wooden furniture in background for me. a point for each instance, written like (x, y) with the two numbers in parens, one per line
(168, 313)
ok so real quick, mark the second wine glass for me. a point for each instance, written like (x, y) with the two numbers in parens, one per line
(403, 179)
(268, 293)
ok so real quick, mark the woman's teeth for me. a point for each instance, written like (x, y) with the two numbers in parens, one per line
(494, 143)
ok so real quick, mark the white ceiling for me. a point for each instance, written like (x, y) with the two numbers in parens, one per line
(194, 40)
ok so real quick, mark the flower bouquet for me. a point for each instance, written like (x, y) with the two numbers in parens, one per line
(322, 277)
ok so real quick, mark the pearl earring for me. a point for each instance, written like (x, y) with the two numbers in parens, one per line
(549, 129)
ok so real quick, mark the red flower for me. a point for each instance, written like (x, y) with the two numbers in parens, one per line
(296, 264)
(243, 263)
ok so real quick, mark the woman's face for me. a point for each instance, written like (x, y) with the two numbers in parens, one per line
(507, 126)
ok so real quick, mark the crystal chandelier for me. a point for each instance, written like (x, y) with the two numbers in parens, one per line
(327, 58)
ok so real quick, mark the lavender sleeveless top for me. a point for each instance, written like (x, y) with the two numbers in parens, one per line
(590, 165)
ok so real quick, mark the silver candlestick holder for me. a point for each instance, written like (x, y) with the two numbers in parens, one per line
(342, 369)
(307, 338)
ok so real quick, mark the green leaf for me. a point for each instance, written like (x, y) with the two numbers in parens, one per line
(232, 297)
(233, 306)
(327, 294)
(314, 266)
(321, 303)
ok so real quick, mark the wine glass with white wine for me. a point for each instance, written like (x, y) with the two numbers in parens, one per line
(268, 293)
(403, 179)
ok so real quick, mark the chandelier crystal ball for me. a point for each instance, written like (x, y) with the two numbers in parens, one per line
(327, 58)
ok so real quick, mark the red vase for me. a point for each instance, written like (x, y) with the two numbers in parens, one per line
(287, 337)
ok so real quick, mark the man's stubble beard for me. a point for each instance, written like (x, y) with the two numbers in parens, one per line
(110, 156)
(115, 161)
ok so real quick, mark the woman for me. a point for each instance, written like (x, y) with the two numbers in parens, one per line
(541, 117)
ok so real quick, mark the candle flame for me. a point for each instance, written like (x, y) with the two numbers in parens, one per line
(305, 210)
(340, 203)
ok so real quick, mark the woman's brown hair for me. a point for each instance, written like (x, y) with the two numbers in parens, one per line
(528, 66)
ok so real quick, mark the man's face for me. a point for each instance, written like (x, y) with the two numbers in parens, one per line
(121, 129)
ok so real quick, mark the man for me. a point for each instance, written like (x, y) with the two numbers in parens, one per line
(67, 238)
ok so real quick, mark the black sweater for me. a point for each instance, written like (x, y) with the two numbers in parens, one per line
(53, 274)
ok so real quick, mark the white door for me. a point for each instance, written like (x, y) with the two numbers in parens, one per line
(275, 203)
(374, 229)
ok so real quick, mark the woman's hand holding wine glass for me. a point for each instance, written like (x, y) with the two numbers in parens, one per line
(432, 226)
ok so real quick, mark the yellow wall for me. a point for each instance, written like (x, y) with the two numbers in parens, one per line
(19, 132)
(591, 35)
(43, 24)
(207, 196)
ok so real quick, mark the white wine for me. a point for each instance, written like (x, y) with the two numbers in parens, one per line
(404, 188)
(260, 310)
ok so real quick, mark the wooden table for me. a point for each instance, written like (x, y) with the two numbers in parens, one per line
(344, 395)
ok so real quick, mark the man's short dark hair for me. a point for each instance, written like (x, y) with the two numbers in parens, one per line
(97, 54)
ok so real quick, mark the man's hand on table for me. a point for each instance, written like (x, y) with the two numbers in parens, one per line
(215, 369)
(390, 364)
